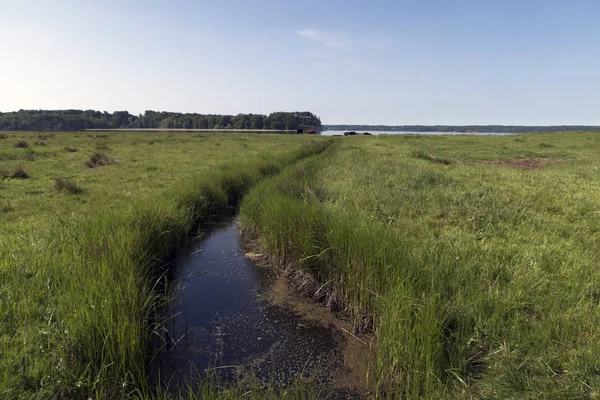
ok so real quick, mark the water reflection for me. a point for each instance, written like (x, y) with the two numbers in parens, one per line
(221, 323)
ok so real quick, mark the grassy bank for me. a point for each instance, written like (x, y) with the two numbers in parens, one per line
(473, 259)
(85, 220)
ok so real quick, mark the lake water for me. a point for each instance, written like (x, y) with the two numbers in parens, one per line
(334, 133)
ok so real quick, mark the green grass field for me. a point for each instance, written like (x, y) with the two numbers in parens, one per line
(473, 259)
(81, 244)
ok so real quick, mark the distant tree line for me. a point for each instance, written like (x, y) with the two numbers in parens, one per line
(461, 128)
(72, 120)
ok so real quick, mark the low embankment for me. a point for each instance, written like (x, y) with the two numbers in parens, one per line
(86, 220)
(473, 259)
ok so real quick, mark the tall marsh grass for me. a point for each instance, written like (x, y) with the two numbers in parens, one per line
(478, 278)
(78, 285)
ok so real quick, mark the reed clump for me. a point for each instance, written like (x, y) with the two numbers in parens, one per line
(21, 144)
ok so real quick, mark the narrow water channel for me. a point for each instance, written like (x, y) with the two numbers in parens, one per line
(221, 322)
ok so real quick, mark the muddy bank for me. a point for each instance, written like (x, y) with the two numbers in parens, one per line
(298, 291)
(359, 352)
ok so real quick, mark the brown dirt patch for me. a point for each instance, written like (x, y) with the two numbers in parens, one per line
(521, 163)
(360, 350)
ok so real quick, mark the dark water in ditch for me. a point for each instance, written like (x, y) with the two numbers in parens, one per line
(221, 322)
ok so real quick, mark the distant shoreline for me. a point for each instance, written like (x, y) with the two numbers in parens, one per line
(192, 130)
(466, 129)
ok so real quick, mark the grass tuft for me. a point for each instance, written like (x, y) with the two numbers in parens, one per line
(102, 147)
(18, 173)
(30, 156)
(69, 149)
(21, 144)
(99, 159)
(6, 207)
(67, 185)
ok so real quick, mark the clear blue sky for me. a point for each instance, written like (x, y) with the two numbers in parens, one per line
(374, 62)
